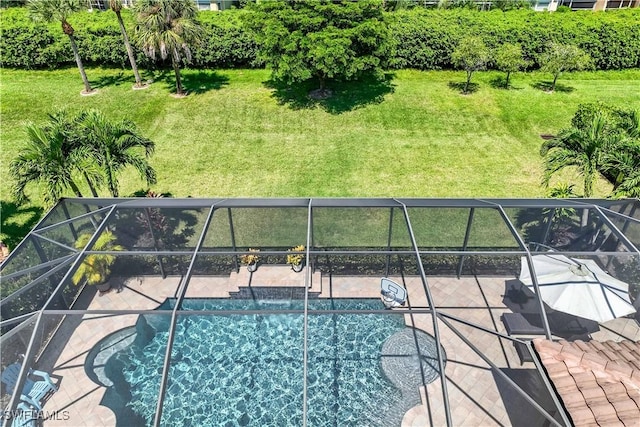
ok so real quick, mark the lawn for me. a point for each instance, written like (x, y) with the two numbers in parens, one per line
(237, 135)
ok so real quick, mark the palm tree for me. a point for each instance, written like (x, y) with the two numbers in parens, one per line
(96, 268)
(168, 28)
(581, 148)
(60, 10)
(623, 163)
(60, 122)
(49, 160)
(116, 145)
(116, 6)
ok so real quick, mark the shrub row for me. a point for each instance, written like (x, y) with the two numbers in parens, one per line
(25, 44)
(424, 39)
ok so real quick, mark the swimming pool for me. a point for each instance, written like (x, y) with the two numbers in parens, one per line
(247, 370)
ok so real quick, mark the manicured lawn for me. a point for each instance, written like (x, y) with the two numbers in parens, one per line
(236, 136)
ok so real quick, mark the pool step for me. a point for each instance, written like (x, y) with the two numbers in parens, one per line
(273, 276)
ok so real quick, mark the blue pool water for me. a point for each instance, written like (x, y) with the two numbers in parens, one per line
(247, 370)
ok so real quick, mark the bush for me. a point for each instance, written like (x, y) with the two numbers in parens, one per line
(425, 38)
(227, 44)
(25, 44)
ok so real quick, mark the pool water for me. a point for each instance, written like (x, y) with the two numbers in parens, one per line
(247, 370)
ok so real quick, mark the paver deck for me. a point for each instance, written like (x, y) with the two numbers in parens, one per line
(477, 394)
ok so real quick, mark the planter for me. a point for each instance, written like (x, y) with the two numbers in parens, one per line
(104, 287)
(252, 267)
(297, 267)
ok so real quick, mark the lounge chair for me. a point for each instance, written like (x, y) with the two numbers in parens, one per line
(392, 294)
(530, 324)
(517, 324)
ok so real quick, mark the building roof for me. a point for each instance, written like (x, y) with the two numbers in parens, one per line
(599, 382)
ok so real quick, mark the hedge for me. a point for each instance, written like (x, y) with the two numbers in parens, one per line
(25, 44)
(424, 38)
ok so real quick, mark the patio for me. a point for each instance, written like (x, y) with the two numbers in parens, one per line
(459, 261)
(477, 396)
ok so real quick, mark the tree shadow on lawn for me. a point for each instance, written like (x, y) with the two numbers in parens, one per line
(113, 80)
(17, 221)
(346, 96)
(122, 77)
(194, 81)
(459, 86)
(498, 82)
(546, 87)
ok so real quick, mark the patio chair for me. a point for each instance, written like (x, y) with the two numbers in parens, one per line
(26, 418)
(38, 394)
(33, 392)
(10, 378)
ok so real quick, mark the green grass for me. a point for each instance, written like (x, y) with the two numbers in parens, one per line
(237, 135)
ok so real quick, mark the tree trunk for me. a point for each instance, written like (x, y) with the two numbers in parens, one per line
(176, 70)
(553, 85)
(466, 85)
(132, 59)
(588, 191)
(111, 178)
(87, 86)
(619, 180)
(588, 183)
(323, 83)
(109, 172)
(91, 187)
(75, 188)
(113, 187)
(506, 85)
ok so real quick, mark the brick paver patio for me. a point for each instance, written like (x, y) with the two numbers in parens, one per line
(477, 395)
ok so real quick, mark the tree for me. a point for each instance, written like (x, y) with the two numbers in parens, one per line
(96, 268)
(321, 39)
(581, 148)
(560, 57)
(115, 146)
(49, 160)
(62, 123)
(168, 28)
(471, 55)
(60, 10)
(86, 144)
(116, 6)
(562, 217)
(621, 164)
(508, 58)
(624, 164)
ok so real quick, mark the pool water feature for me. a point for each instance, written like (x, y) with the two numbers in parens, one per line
(247, 369)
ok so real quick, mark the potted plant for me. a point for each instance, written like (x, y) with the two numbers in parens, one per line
(295, 260)
(251, 259)
(96, 268)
